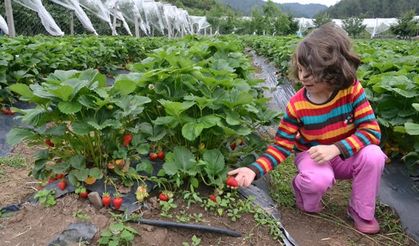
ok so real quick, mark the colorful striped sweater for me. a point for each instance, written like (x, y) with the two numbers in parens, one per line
(346, 120)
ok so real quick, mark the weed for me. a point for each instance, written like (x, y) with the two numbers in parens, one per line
(46, 197)
(81, 215)
(13, 161)
(281, 183)
(195, 242)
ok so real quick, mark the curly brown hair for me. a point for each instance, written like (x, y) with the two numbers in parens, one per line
(326, 53)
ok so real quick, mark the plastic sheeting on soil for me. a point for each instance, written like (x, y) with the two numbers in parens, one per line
(6, 124)
(401, 192)
(46, 19)
(3, 25)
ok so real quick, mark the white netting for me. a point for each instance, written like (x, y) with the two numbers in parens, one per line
(104, 17)
(97, 8)
(374, 26)
(47, 21)
(3, 25)
(114, 9)
(74, 5)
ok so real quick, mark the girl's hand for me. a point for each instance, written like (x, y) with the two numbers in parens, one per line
(323, 153)
(244, 176)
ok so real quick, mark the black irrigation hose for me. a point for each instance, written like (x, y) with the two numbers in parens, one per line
(204, 228)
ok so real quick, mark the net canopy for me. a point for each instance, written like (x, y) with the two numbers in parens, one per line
(148, 17)
(373, 26)
(74, 5)
(47, 21)
(3, 25)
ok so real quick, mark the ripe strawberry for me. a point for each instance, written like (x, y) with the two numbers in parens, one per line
(51, 180)
(233, 146)
(7, 111)
(126, 139)
(49, 142)
(153, 156)
(62, 184)
(106, 199)
(213, 198)
(59, 176)
(82, 192)
(232, 182)
(117, 202)
(163, 197)
(160, 155)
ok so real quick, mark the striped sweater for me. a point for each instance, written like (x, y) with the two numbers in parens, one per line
(346, 120)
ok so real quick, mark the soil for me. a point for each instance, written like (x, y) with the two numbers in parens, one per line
(37, 225)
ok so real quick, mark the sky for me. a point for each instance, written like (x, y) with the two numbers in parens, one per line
(324, 2)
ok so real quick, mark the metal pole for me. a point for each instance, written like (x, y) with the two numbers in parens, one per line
(136, 26)
(71, 23)
(10, 21)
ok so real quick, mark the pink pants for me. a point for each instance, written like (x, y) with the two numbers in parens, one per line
(364, 168)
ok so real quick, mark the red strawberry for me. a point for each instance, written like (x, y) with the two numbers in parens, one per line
(160, 155)
(7, 111)
(62, 184)
(233, 146)
(163, 197)
(153, 156)
(83, 194)
(117, 202)
(59, 176)
(51, 180)
(213, 198)
(49, 142)
(126, 139)
(232, 182)
(106, 199)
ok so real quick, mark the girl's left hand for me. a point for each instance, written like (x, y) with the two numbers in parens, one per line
(323, 153)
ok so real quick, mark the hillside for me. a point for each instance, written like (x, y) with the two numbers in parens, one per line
(372, 8)
(295, 9)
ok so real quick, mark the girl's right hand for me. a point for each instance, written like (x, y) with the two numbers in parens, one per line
(243, 175)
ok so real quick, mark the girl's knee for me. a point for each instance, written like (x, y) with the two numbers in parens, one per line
(373, 156)
(311, 182)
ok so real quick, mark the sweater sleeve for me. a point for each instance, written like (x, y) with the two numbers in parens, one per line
(367, 128)
(282, 146)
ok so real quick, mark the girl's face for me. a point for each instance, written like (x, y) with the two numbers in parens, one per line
(312, 86)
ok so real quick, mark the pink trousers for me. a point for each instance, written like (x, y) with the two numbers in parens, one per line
(364, 168)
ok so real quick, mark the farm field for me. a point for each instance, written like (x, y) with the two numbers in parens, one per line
(162, 121)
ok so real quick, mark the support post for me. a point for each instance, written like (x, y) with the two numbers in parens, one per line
(71, 23)
(137, 27)
(10, 20)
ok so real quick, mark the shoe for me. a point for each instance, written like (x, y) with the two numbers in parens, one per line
(299, 200)
(364, 226)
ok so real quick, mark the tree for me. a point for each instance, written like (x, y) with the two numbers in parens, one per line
(322, 19)
(353, 26)
(407, 25)
(271, 20)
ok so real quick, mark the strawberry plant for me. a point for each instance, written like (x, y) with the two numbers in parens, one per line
(82, 133)
(46, 197)
(117, 234)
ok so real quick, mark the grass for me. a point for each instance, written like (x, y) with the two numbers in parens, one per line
(336, 201)
(13, 161)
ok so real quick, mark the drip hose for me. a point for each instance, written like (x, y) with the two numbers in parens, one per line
(204, 228)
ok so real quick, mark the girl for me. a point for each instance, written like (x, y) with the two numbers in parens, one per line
(331, 127)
